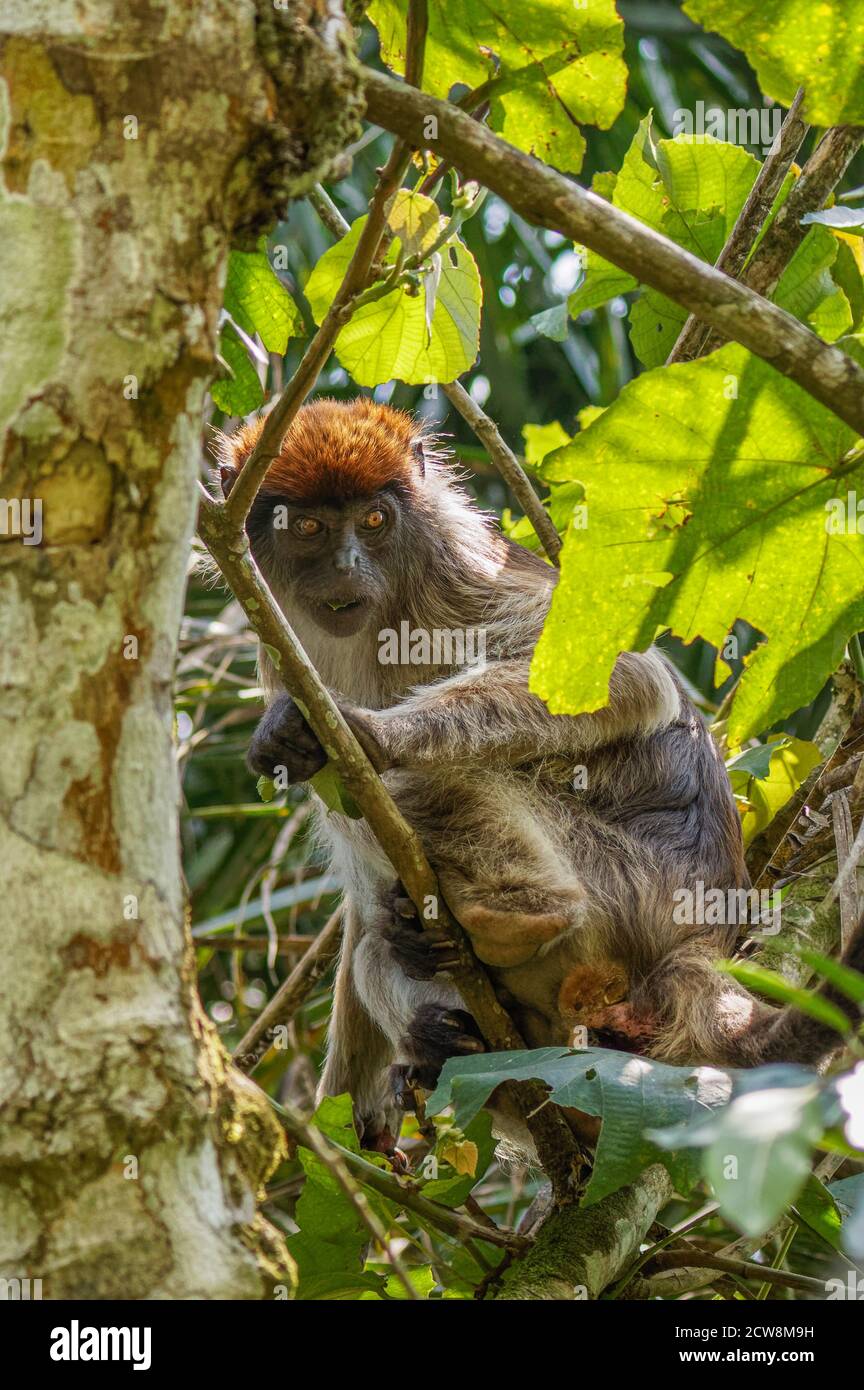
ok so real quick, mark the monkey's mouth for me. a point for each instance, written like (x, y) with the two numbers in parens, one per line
(343, 605)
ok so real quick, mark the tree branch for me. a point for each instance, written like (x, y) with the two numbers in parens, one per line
(749, 222)
(820, 175)
(290, 995)
(548, 199)
(508, 466)
(401, 1193)
(580, 1251)
(745, 1269)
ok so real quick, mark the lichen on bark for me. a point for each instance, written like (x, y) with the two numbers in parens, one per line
(131, 138)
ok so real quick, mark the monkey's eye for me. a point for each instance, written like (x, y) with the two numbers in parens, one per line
(307, 526)
(374, 520)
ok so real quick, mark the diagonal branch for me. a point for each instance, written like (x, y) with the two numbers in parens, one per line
(508, 466)
(820, 175)
(548, 199)
(288, 998)
(749, 222)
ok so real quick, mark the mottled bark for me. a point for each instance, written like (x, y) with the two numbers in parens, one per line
(137, 141)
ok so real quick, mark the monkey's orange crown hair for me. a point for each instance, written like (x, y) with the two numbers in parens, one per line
(335, 451)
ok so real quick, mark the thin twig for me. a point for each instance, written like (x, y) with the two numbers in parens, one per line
(749, 221)
(746, 1269)
(328, 212)
(290, 994)
(547, 198)
(508, 466)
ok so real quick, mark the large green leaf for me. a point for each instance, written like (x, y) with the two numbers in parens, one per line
(688, 190)
(389, 337)
(706, 486)
(258, 301)
(758, 1149)
(630, 1094)
(691, 190)
(796, 43)
(559, 63)
(329, 1247)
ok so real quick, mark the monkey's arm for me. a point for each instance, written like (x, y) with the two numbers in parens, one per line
(488, 711)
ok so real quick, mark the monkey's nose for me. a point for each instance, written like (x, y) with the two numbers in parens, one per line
(346, 559)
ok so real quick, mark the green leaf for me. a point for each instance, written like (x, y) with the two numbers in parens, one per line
(329, 1246)
(754, 761)
(688, 190)
(452, 1189)
(817, 1206)
(540, 440)
(691, 190)
(629, 1093)
(717, 507)
(332, 790)
(848, 982)
(758, 1149)
(761, 795)
(848, 1193)
(807, 288)
(258, 301)
(266, 788)
(794, 43)
(558, 64)
(238, 393)
(389, 337)
(552, 323)
(775, 986)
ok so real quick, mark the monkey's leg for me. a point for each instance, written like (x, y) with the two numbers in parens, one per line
(402, 965)
(359, 1053)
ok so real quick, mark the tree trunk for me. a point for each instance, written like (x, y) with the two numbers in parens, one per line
(136, 141)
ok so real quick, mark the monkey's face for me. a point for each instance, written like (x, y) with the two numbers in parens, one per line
(332, 560)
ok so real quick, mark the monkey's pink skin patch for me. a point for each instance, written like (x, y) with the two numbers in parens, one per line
(624, 1027)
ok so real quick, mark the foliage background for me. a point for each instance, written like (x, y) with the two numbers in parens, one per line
(250, 869)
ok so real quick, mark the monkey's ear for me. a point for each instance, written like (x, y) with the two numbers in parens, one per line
(419, 455)
(227, 477)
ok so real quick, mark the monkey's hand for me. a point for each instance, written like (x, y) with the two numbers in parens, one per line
(435, 1033)
(283, 739)
(420, 952)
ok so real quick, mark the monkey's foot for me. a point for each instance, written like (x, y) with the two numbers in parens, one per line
(420, 952)
(434, 1034)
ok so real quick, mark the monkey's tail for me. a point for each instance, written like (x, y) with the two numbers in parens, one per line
(706, 1017)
